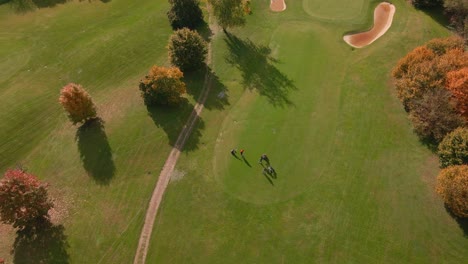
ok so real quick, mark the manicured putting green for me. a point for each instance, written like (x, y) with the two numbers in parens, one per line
(295, 136)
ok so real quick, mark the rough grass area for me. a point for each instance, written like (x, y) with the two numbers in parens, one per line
(353, 183)
(101, 176)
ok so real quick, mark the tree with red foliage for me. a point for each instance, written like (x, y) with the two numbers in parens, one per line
(78, 103)
(23, 199)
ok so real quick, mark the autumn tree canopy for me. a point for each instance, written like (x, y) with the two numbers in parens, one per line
(163, 86)
(434, 115)
(426, 67)
(78, 103)
(185, 13)
(452, 186)
(187, 50)
(453, 150)
(23, 199)
(457, 83)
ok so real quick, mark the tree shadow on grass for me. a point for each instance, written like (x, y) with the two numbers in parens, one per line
(205, 32)
(172, 120)
(22, 6)
(258, 70)
(95, 152)
(218, 96)
(437, 14)
(462, 222)
(44, 243)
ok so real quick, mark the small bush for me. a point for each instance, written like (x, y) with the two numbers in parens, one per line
(453, 150)
(163, 86)
(187, 50)
(452, 185)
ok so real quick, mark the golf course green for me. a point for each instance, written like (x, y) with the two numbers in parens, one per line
(353, 183)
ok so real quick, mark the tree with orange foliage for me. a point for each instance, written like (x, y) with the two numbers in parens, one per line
(23, 199)
(452, 185)
(78, 103)
(457, 83)
(426, 67)
(163, 86)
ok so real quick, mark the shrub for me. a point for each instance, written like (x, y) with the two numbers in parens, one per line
(187, 50)
(162, 86)
(452, 185)
(434, 115)
(185, 13)
(453, 150)
(23, 199)
(78, 103)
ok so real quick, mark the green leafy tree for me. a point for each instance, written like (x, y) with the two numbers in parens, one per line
(452, 186)
(185, 13)
(229, 13)
(23, 199)
(187, 50)
(453, 150)
(163, 86)
(434, 115)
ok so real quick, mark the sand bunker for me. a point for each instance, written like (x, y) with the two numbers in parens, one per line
(383, 17)
(277, 5)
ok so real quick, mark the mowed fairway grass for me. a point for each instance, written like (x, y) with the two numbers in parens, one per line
(354, 184)
(107, 48)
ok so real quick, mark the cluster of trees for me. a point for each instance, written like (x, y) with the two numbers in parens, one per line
(432, 84)
(456, 10)
(187, 50)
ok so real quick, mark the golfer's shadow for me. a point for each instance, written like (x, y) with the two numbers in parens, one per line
(246, 161)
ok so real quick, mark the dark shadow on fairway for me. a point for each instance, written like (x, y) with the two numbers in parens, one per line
(218, 97)
(438, 15)
(429, 143)
(22, 6)
(462, 222)
(269, 180)
(172, 121)
(44, 243)
(95, 151)
(204, 30)
(258, 70)
(246, 161)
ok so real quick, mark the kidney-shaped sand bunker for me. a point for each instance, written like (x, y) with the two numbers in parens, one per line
(383, 17)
